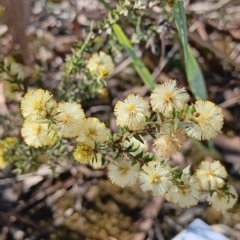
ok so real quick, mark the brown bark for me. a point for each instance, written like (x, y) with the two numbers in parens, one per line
(16, 16)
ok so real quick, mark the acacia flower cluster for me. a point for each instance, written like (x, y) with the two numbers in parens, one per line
(46, 121)
(100, 65)
(166, 117)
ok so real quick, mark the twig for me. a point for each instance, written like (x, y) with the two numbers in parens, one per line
(195, 37)
(68, 183)
(170, 54)
(45, 232)
(157, 231)
(231, 102)
(149, 213)
(207, 8)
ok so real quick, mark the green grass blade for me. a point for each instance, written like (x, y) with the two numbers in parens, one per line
(181, 24)
(194, 73)
(209, 151)
(105, 4)
(137, 63)
(195, 77)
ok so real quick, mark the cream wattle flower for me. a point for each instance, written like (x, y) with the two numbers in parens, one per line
(38, 104)
(208, 121)
(156, 178)
(167, 97)
(69, 119)
(132, 112)
(123, 173)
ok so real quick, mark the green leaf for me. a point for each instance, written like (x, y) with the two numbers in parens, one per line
(137, 63)
(180, 22)
(140, 155)
(211, 192)
(152, 135)
(207, 151)
(138, 138)
(148, 157)
(194, 73)
(195, 77)
(134, 149)
(105, 4)
(186, 170)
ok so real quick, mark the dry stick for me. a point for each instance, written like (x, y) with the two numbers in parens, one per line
(17, 14)
(45, 193)
(157, 231)
(195, 37)
(121, 66)
(163, 62)
(157, 71)
(11, 219)
(230, 102)
(149, 213)
(47, 231)
(230, 144)
(208, 9)
(68, 183)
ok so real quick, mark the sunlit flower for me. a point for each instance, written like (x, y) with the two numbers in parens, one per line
(170, 143)
(3, 160)
(170, 3)
(83, 153)
(185, 192)
(38, 104)
(211, 175)
(123, 173)
(155, 177)
(167, 97)
(93, 131)
(10, 90)
(207, 121)
(132, 112)
(136, 145)
(10, 141)
(37, 134)
(5, 146)
(222, 199)
(100, 65)
(69, 119)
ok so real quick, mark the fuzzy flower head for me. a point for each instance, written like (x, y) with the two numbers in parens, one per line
(69, 119)
(6, 147)
(135, 144)
(93, 131)
(170, 3)
(3, 160)
(100, 65)
(211, 175)
(132, 112)
(208, 121)
(38, 104)
(37, 134)
(167, 97)
(185, 192)
(223, 199)
(155, 177)
(122, 173)
(83, 153)
(170, 143)
(10, 90)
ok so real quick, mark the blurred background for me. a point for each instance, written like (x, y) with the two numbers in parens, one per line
(45, 194)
